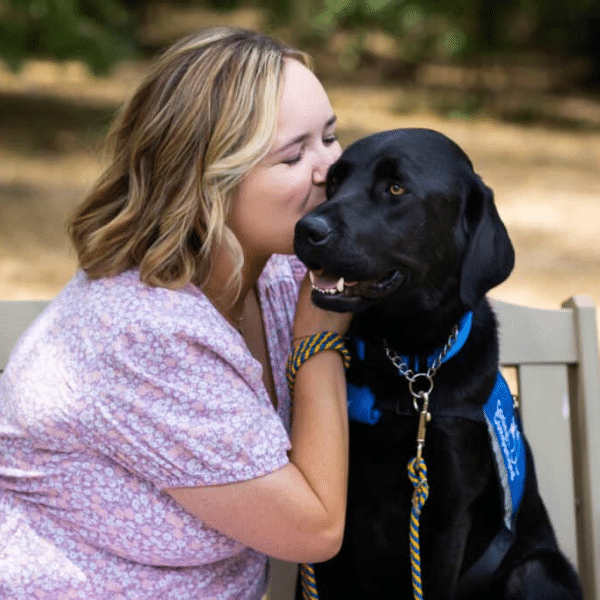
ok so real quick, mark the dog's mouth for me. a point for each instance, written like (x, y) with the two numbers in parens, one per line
(330, 286)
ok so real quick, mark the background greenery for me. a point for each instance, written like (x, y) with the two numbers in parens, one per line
(101, 32)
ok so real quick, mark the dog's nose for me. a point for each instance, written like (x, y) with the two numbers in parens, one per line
(315, 230)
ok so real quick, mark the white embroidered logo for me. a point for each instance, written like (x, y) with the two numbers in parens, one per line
(509, 438)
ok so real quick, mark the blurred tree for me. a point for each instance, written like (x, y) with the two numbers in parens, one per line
(442, 26)
(448, 29)
(97, 31)
(102, 31)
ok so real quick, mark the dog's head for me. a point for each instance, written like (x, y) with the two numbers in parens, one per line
(407, 225)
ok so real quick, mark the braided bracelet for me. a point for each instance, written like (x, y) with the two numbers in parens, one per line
(311, 345)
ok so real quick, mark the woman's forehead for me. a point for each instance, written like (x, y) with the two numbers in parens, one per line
(303, 105)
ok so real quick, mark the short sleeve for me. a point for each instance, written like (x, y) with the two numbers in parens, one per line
(298, 268)
(181, 408)
(278, 290)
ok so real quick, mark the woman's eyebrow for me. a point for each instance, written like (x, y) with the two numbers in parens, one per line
(303, 137)
(331, 121)
(297, 140)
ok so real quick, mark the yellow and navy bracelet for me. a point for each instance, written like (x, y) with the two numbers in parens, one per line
(311, 345)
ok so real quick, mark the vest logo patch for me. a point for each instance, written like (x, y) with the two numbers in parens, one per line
(509, 438)
(508, 446)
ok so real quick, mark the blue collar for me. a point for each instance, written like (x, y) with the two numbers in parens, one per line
(464, 328)
(361, 401)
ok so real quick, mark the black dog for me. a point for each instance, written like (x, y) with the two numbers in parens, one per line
(416, 237)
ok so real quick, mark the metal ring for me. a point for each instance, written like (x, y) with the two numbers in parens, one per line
(421, 393)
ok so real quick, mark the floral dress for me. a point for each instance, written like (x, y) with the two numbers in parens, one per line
(118, 391)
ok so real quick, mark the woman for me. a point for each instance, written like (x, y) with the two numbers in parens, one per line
(145, 442)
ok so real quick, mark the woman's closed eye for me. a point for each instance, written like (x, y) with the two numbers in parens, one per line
(294, 159)
(328, 140)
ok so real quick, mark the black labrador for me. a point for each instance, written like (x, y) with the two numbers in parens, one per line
(410, 240)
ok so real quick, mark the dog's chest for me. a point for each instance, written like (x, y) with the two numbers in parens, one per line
(385, 418)
(473, 446)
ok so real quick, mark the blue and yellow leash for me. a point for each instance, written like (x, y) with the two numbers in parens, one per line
(309, 582)
(417, 469)
(309, 346)
(417, 474)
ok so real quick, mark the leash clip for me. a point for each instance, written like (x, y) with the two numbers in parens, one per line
(421, 393)
(424, 418)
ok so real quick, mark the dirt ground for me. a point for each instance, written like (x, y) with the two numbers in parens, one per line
(546, 182)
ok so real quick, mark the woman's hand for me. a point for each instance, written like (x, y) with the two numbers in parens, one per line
(312, 319)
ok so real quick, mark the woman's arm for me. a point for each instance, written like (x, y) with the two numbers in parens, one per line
(296, 513)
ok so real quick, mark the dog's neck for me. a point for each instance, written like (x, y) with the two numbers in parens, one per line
(452, 346)
(416, 333)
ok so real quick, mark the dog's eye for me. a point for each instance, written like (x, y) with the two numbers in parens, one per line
(396, 189)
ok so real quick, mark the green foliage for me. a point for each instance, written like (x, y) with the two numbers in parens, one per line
(426, 29)
(96, 31)
(103, 31)
(421, 27)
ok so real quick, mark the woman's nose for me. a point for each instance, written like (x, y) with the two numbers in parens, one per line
(326, 158)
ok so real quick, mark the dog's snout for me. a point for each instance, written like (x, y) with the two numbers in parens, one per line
(314, 229)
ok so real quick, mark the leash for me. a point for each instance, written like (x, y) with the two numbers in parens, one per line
(309, 346)
(504, 429)
(417, 474)
(417, 469)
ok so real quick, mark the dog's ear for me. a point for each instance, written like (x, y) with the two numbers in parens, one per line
(489, 257)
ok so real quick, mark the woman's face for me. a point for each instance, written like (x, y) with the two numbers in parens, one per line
(289, 181)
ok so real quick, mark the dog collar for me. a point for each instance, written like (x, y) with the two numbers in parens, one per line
(361, 400)
(464, 328)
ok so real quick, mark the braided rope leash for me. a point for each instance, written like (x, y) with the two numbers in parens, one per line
(417, 469)
(417, 473)
(309, 346)
(309, 582)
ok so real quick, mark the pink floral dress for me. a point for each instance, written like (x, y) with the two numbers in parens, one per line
(118, 391)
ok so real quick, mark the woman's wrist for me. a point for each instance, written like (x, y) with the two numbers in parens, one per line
(303, 348)
(296, 341)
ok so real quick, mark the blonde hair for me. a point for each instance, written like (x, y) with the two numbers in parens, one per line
(204, 115)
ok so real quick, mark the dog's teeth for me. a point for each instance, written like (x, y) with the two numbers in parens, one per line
(340, 285)
(312, 278)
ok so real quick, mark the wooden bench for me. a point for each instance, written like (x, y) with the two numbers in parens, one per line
(553, 355)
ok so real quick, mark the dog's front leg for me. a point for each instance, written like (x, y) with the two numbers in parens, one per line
(445, 554)
(462, 514)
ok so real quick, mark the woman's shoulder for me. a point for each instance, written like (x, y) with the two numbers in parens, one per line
(124, 303)
(127, 292)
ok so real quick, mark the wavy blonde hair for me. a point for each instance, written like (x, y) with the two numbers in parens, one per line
(203, 116)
